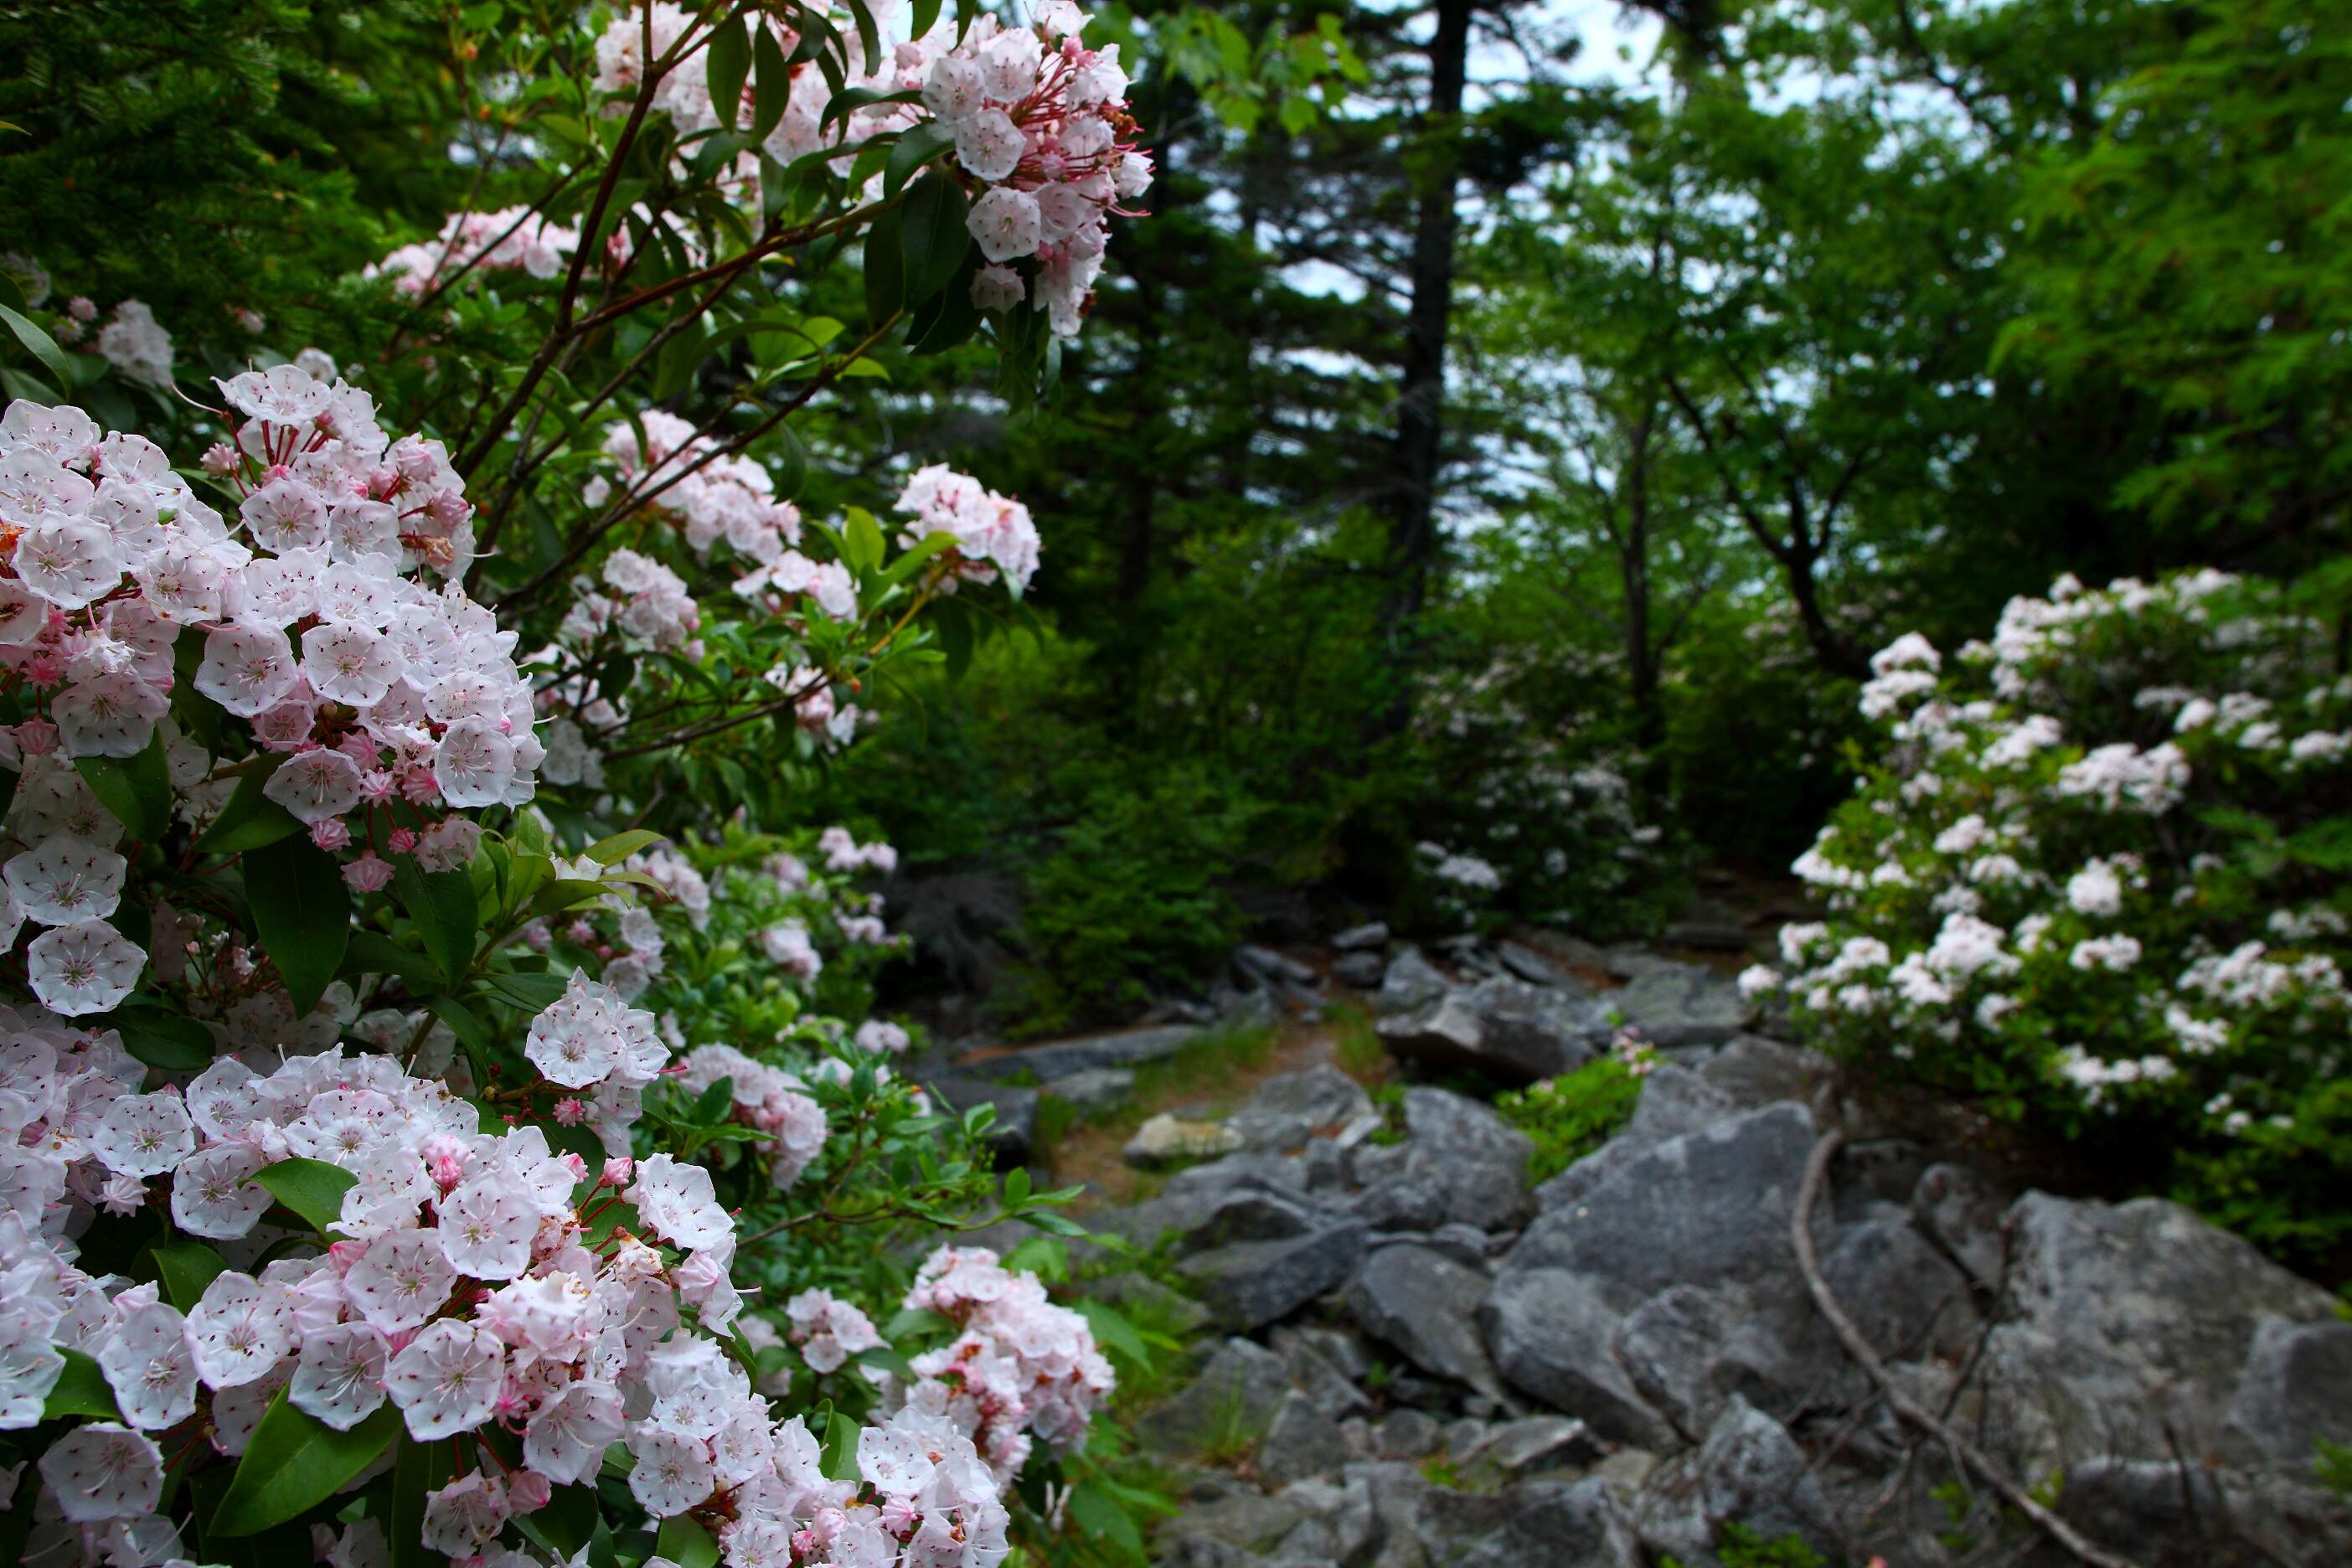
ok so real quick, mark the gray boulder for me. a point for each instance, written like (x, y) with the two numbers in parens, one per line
(1748, 1471)
(1300, 1441)
(1094, 1088)
(1712, 1204)
(1270, 966)
(1361, 970)
(1691, 1349)
(1959, 1211)
(1476, 1159)
(1168, 1138)
(1411, 981)
(1561, 1524)
(1327, 1366)
(1233, 1400)
(1552, 1337)
(1676, 1101)
(2126, 1332)
(1250, 1284)
(1757, 1071)
(1503, 1028)
(1426, 1305)
(1289, 1110)
(1341, 1525)
(1536, 969)
(1908, 1301)
(1534, 1443)
(1683, 1004)
(1369, 938)
(1060, 1059)
(2296, 1390)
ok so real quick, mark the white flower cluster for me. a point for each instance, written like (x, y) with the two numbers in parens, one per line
(513, 239)
(362, 687)
(1020, 1370)
(767, 1098)
(993, 533)
(478, 1279)
(1041, 120)
(1999, 881)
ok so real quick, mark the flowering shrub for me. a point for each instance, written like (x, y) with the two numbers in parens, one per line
(2097, 880)
(1568, 1117)
(443, 1120)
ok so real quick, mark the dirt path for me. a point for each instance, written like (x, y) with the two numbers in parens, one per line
(1088, 1151)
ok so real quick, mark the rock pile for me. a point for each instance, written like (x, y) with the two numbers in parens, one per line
(1431, 1364)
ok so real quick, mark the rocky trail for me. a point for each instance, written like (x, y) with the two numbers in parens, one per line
(1412, 1357)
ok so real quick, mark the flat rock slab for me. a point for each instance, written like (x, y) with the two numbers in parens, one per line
(1060, 1059)
(1425, 1304)
(1169, 1139)
(1250, 1284)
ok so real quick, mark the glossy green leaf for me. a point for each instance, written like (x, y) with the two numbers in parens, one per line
(932, 234)
(301, 911)
(250, 819)
(885, 282)
(42, 346)
(165, 1040)
(418, 1469)
(441, 903)
(81, 1389)
(186, 1268)
(772, 84)
(312, 1188)
(531, 992)
(137, 789)
(838, 1447)
(729, 64)
(914, 149)
(621, 846)
(685, 1542)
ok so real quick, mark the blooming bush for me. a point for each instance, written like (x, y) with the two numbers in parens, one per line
(442, 1119)
(2096, 880)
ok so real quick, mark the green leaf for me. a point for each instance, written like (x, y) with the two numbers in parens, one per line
(621, 846)
(531, 992)
(731, 62)
(861, 541)
(885, 279)
(565, 893)
(926, 15)
(914, 149)
(312, 1188)
(838, 1452)
(1112, 1329)
(165, 1040)
(249, 820)
(932, 234)
(302, 912)
(685, 1542)
(417, 1469)
(295, 1462)
(42, 346)
(566, 1524)
(850, 99)
(372, 952)
(81, 1389)
(441, 903)
(911, 560)
(715, 1102)
(1101, 1516)
(470, 1030)
(186, 1268)
(772, 84)
(137, 789)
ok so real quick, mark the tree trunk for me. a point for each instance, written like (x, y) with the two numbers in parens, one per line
(1421, 398)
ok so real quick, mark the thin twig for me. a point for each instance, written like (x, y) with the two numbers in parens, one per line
(1800, 1231)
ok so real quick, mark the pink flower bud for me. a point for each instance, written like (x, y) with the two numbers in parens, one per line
(220, 458)
(571, 1111)
(575, 1164)
(402, 840)
(528, 1492)
(332, 833)
(37, 737)
(368, 874)
(617, 1171)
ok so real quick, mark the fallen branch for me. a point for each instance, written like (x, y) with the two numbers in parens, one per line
(1903, 1404)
